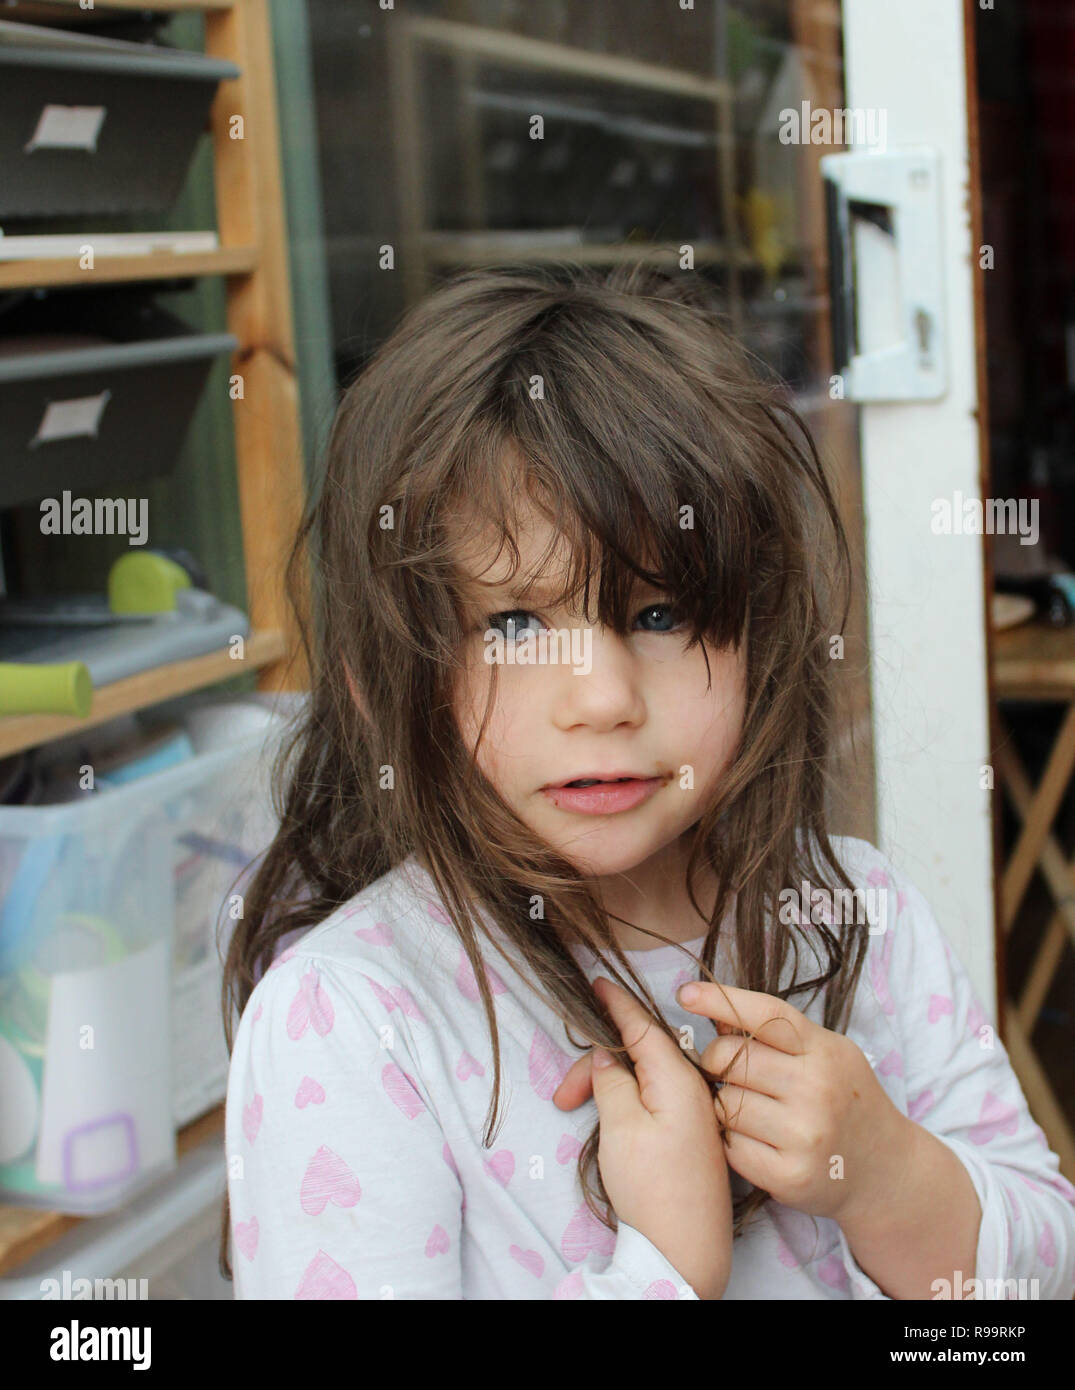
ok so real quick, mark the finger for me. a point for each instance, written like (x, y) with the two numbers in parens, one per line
(780, 1024)
(660, 1066)
(615, 1091)
(752, 1064)
(758, 1163)
(576, 1086)
(755, 1116)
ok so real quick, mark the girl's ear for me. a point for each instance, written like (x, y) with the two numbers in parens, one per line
(356, 694)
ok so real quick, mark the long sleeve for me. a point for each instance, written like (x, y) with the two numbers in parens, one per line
(343, 1188)
(961, 1087)
(340, 1178)
(637, 1270)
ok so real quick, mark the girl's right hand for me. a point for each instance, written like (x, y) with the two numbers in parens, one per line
(661, 1154)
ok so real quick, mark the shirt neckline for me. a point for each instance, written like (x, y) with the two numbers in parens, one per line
(653, 958)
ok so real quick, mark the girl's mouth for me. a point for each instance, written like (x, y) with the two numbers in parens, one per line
(590, 797)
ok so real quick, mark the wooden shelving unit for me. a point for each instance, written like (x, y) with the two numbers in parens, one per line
(268, 443)
(160, 265)
(137, 692)
(470, 45)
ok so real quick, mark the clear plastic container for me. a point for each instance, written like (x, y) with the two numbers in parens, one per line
(163, 1246)
(110, 1030)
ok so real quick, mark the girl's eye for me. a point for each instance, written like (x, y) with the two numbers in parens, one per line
(518, 622)
(663, 614)
(513, 623)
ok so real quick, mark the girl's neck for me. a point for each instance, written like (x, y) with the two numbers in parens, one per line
(653, 898)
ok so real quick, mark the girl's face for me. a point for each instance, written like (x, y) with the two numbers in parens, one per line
(642, 709)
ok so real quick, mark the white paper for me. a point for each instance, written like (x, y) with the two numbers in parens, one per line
(67, 128)
(112, 1100)
(65, 244)
(69, 419)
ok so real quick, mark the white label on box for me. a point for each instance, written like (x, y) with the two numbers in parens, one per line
(71, 419)
(67, 128)
(106, 1112)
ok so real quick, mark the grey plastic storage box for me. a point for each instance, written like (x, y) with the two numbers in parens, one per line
(97, 388)
(92, 125)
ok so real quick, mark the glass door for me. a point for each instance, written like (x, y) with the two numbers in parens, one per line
(663, 130)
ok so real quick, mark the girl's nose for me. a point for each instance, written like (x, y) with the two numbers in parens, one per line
(605, 696)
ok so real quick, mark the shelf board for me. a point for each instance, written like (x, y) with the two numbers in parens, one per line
(20, 731)
(160, 5)
(521, 51)
(467, 250)
(25, 1231)
(1034, 662)
(160, 265)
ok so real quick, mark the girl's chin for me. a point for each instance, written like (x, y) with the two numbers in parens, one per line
(619, 858)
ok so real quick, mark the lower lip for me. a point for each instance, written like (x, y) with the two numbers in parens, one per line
(606, 798)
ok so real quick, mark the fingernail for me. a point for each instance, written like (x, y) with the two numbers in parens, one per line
(601, 1058)
(687, 994)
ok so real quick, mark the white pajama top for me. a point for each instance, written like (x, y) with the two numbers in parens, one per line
(361, 1076)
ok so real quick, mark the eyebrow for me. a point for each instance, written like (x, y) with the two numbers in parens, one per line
(540, 593)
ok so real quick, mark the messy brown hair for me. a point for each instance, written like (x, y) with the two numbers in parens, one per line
(649, 405)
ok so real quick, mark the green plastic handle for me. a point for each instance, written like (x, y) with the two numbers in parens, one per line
(63, 687)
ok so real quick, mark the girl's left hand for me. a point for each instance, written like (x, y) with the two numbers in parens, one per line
(808, 1120)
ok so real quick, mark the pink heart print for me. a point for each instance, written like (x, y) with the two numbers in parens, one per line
(468, 1066)
(891, 1064)
(939, 1005)
(324, 1278)
(976, 1020)
(380, 934)
(798, 1232)
(549, 1065)
(467, 982)
(501, 1166)
(257, 1013)
(438, 1242)
(661, 1288)
(1062, 1186)
(437, 912)
(311, 1005)
(327, 1179)
(252, 1114)
(921, 1105)
(530, 1260)
(397, 998)
(1047, 1246)
(879, 964)
(246, 1237)
(997, 1117)
(310, 1092)
(283, 957)
(567, 1149)
(401, 1091)
(785, 1255)
(570, 1286)
(585, 1233)
(833, 1271)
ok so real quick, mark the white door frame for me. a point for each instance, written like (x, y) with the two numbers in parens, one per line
(927, 599)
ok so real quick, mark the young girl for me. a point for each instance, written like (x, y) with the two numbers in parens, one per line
(576, 575)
